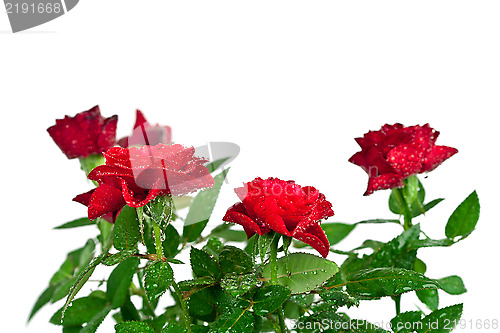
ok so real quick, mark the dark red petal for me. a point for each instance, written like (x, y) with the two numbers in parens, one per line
(101, 171)
(236, 214)
(137, 198)
(140, 119)
(276, 223)
(436, 156)
(84, 198)
(105, 199)
(383, 182)
(107, 135)
(314, 236)
(406, 160)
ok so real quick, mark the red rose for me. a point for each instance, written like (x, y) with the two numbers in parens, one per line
(86, 133)
(397, 152)
(282, 206)
(146, 134)
(135, 176)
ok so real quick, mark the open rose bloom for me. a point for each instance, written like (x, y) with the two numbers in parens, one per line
(84, 134)
(396, 152)
(135, 176)
(282, 206)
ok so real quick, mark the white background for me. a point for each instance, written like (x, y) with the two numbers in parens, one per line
(291, 82)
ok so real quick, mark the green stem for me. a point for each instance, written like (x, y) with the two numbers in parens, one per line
(140, 215)
(185, 311)
(158, 245)
(274, 277)
(407, 215)
(398, 192)
(397, 300)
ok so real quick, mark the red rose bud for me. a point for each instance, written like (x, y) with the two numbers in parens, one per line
(395, 153)
(85, 134)
(282, 206)
(146, 134)
(135, 176)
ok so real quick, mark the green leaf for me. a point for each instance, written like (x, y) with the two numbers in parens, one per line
(128, 311)
(76, 223)
(338, 298)
(464, 219)
(201, 209)
(133, 327)
(394, 253)
(429, 297)
(453, 285)
(96, 321)
(441, 321)
(269, 298)
(158, 279)
(306, 271)
(230, 235)
(106, 234)
(234, 260)
(406, 322)
(119, 281)
(420, 266)
(237, 285)
(427, 207)
(203, 264)
(211, 167)
(202, 305)
(419, 243)
(236, 321)
(126, 232)
(213, 246)
(264, 244)
(380, 282)
(81, 311)
(117, 258)
(335, 232)
(43, 299)
(81, 280)
(174, 328)
(196, 283)
(171, 242)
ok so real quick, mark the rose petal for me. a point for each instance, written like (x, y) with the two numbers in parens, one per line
(237, 214)
(406, 160)
(104, 200)
(436, 156)
(314, 236)
(383, 182)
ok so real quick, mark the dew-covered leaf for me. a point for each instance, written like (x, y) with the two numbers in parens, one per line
(269, 298)
(158, 278)
(380, 282)
(126, 232)
(302, 272)
(133, 327)
(238, 284)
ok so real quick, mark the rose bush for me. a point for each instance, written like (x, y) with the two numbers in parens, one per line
(261, 284)
(135, 176)
(84, 134)
(396, 152)
(282, 206)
